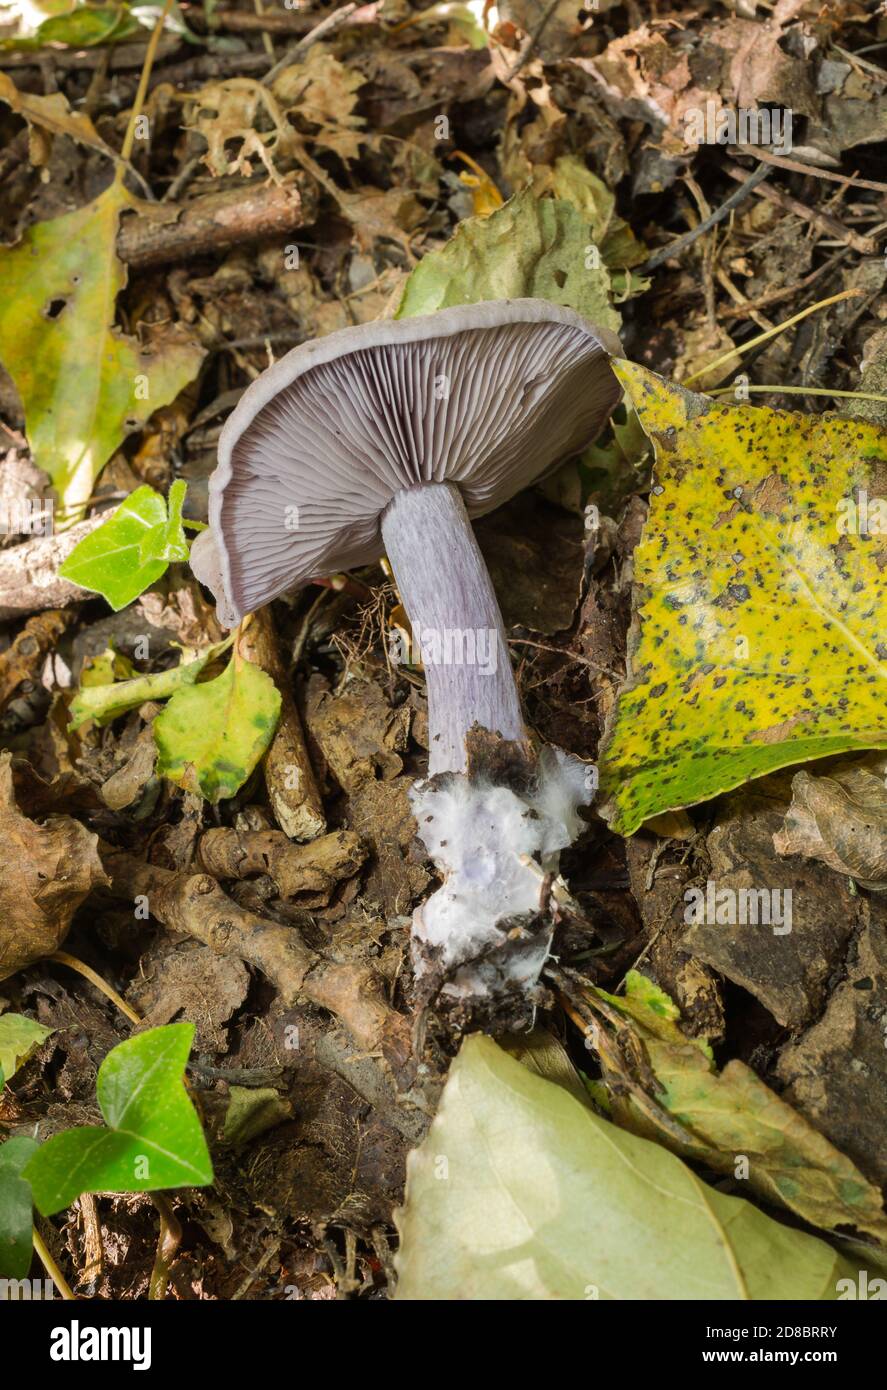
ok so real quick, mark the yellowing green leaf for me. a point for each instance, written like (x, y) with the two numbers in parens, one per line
(735, 1124)
(19, 1039)
(211, 736)
(521, 1192)
(83, 384)
(531, 248)
(759, 638)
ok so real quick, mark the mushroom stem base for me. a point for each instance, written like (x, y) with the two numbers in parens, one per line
(457, 629)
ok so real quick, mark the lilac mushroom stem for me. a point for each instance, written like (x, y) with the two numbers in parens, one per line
(457, 626)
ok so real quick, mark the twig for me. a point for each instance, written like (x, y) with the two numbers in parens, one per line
(326, 27)
(764, 301)
(530, 45)
(823, 220)
(796, 167)
(675, 248)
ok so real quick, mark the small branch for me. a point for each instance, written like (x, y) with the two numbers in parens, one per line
(675, 248)
(289, 776)
(196, 905)
(327, 26)
(214, 223)
(823, 220)
(29, 573)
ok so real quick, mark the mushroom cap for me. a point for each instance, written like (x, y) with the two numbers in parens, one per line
(489, 397)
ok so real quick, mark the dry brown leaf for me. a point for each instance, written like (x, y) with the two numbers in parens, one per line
(47, 116)
(842, 820)
(47, 872)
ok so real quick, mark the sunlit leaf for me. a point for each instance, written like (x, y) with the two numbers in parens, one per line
(211, 736)
(131, 550)
(19, 1039)
(84, 385)
(531, 248)
(759, 637)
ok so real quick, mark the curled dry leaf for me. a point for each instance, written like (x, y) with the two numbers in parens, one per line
(48, 871)
(842, 820)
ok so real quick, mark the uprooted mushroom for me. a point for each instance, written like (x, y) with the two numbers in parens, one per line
(389, 438)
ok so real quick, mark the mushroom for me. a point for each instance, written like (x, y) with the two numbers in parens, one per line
(389, 438)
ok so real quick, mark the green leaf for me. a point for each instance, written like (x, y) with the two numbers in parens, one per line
(154, 1139)
(84, 385)
(132, 549)
(531, 248)
(16, 1214)
(103, 703)
(758, 639)
(520, 1191)
(211, 736)
(20, 1038)
(85, 27)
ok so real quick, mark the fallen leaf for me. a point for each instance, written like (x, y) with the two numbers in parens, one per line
(211, 736)
(84, 385)
(745, 527)
(531, 248)
(48, 871)
(51, 114)
(841, 819)
(732, 1115)
(19, 1039)
(521, 1192)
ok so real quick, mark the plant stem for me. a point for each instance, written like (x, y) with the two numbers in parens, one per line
(802, 391)
(142, 91)
(771, 333)
(167, 1246)
(62, 958)
(52, 1268)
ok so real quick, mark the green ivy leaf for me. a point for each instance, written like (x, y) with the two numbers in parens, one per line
(153, 1140)
(211, 736)
(131, 550)
(19, 1039)
(16, 1208)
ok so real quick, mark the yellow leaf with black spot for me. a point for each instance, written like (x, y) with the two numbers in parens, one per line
(759, 634)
